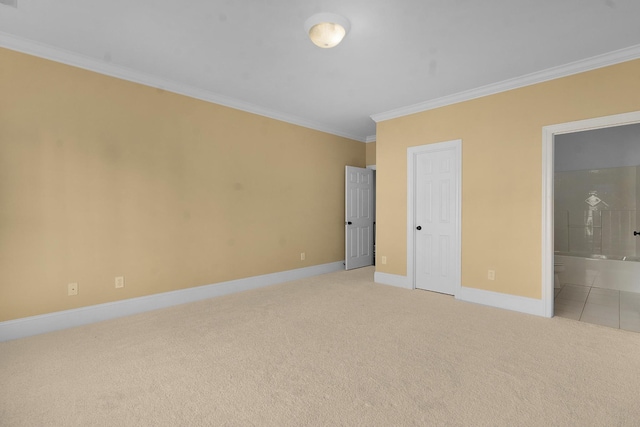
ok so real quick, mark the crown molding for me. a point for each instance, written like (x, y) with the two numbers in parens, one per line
(370, 138)
(581, 66)
(63, 56)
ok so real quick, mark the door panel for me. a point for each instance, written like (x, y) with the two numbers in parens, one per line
(359, 217)
(435, 211)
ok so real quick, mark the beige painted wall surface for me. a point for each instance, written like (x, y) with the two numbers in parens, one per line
(101, 177)
(371, 154)
(501, 171)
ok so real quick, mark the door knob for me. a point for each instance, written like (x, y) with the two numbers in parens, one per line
(349, 223)
(636, 233)
(418, 228)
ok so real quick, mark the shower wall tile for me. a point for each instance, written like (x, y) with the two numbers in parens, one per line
(615, 188)
(601, 209)
(585, 240)
(561, 218)
(581, 217)
(561, 231)
(608, 243)
(617, 233)
(560, 239)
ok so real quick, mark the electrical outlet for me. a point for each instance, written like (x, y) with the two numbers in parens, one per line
(491, 275)
(72, 289)
(303, 256)
(119, 282)
(384, 259)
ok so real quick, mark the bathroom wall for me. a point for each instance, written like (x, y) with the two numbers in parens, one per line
(595, 211)
(599, 148)
(597, 191)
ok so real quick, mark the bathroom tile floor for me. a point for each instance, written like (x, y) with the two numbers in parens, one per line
(607, 307)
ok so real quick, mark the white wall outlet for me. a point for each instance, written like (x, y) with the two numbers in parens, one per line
(72, 289)
(119, 282)
(303, 256)
(491, 275)
(384, 259)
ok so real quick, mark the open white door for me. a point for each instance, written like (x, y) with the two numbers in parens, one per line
(358, 217)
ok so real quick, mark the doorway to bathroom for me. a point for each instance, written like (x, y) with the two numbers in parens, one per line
(591, 204)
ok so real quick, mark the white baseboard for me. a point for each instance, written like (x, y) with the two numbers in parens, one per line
(392, 280)
(478, 296)
(27, 326)
(500, 300)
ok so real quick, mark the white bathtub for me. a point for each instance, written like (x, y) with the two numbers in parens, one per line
(601, 271)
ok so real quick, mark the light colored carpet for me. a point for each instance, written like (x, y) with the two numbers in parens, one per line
(335, 349)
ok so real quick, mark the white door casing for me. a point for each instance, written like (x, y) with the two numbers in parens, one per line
(358, 217)
(434, 216)
(548, 134)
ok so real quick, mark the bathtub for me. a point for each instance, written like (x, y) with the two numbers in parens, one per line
(602, 271)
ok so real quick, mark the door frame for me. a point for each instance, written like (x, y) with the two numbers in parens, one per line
(412, 153)
(548, 163)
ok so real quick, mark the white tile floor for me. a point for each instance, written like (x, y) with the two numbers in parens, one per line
(607, 307)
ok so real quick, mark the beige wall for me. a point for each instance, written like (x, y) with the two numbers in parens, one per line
(371, 154)
(501, 171)
(101, 177)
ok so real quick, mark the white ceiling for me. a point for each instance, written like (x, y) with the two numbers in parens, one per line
(255, 55)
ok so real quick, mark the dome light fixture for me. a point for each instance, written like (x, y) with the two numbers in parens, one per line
(327, 30)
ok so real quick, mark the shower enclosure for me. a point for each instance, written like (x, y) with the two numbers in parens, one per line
(595, 218)
(596, 212)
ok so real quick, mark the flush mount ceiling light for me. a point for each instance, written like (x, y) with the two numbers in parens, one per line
(326, 29)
